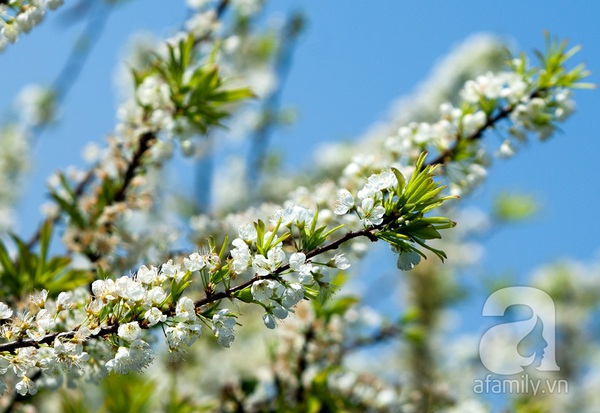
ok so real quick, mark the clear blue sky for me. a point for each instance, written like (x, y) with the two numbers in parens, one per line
(354, 60)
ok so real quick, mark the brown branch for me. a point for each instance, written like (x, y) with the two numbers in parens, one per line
(383, 334)
(145, 143)
(14, 345)
(220, 10)
(448, 154)
(211, 298)
(228, 293)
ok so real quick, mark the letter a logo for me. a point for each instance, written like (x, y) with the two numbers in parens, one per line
(498, 348)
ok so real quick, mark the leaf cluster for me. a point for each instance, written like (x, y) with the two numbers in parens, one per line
(197, 90)
(406, 206)
(31, 270)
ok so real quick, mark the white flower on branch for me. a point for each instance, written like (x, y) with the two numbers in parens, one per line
(223, 324)
(5, 311)
(130, 331)
(344, 202)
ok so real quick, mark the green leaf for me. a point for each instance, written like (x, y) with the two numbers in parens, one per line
(339, 306)
(401, 181)
(219, 275)
(244, 295)
(425, 232)
(515, 207)
(7, 265)
(232, 95)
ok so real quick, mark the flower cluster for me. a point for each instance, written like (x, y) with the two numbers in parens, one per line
(51, 336)
(281, 280)
(454, 141)
(178, 95)
(281, 259)
(395, 207)
(532, 98)
(18, 17)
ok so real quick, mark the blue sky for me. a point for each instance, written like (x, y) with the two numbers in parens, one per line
(353, 61)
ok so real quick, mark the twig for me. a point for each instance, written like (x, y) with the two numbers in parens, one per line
(64, 81)
(383, 334)
(478, 134)
(228, 293)
(145, 143)
(211, 298)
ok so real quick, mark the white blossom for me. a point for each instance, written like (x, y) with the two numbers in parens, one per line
(39, 298)
(185, 309)
(298, 263)
(241, 255)
(147, 275)
(130, 289)
(5, 311)
(133, 358)
(45, 320)
(154, 316)
(195, 262)
(26, 386)
(182, 334)
(344, 202)
(154, 92)
(370, 212)
(269, 320)
(64, 301)
(247, 232)
(263, 266)
(157, 295)
(340, 261)
(383, 180)
(262, 290)
(294, 293)
(223, 325)
(129, 331)
(170, 270)
(105, 290)
(407, 260)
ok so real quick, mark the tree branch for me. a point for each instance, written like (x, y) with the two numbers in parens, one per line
(211, 298)
(448, 154)
(72, 68)
(145, 143)
(228, 293)
(383, 334)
